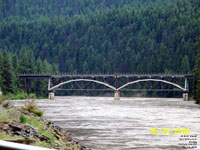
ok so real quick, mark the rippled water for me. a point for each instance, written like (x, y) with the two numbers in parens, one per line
(101, 123)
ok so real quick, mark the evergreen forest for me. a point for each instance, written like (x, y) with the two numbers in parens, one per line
(97, 36)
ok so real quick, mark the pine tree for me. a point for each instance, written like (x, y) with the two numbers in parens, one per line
(185, 66)
(1, 63)
(197, 75)
(47, 68)
(55, 68)
(27, 61)
(41, 85)
(7, 74)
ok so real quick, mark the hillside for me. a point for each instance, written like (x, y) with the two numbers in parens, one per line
(146, 40)
(19, 10)
(98, 36)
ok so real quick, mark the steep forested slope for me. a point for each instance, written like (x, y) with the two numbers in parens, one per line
(40, 9)
(152, 39)
(92, 36)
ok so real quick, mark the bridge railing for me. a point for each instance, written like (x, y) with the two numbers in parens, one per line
(5, 145)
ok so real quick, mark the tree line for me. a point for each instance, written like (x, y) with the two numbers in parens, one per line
(12, 65)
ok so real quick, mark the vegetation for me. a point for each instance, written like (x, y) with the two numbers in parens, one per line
(197, 75)
(32, 10)
(22, 119)
(35, 142)
(20, 95)
(10, 68)
(117, 36)
(17, 116)
(31, 108)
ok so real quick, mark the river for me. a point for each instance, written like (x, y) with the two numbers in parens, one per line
(102, 123)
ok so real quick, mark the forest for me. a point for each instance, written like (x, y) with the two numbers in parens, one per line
(92, 36)
(32, 10)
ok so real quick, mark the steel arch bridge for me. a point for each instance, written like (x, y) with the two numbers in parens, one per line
(116, 83)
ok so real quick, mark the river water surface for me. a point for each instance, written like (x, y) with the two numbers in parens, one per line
(101, 123)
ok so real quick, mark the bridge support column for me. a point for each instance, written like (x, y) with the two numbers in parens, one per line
(117, 95)
(51, 95)
(185, 96)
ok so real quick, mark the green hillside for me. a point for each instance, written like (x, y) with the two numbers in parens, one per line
(92, 36)
(40, 9)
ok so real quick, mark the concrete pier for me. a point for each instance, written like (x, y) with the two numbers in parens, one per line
(185, 97)
(51, 95)
(117, 95)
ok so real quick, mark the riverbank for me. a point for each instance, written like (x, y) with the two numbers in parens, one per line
(21, 95)
(26, 125)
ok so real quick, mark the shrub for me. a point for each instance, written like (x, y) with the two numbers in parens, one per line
(22, 119)
(19, 95)
(39, 113)
(31, 107)
(32, 95)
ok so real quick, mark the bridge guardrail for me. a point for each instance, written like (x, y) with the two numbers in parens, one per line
(5, 145)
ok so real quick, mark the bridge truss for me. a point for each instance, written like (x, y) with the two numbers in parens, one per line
(117, 83)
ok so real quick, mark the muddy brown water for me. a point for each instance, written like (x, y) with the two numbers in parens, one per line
(101, 123)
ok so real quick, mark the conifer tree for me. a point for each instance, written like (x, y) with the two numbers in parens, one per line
(197, 75)
(1, 62)
(7, 74)
(185, 66)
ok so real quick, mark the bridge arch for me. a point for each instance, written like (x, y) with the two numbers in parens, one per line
(79, 80)
(154, 80)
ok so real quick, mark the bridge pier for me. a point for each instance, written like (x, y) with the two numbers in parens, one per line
(185, 96)
(51, 95)
(117, 95)
(27, 86)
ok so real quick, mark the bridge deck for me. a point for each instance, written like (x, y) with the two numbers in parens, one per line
(105, 75)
